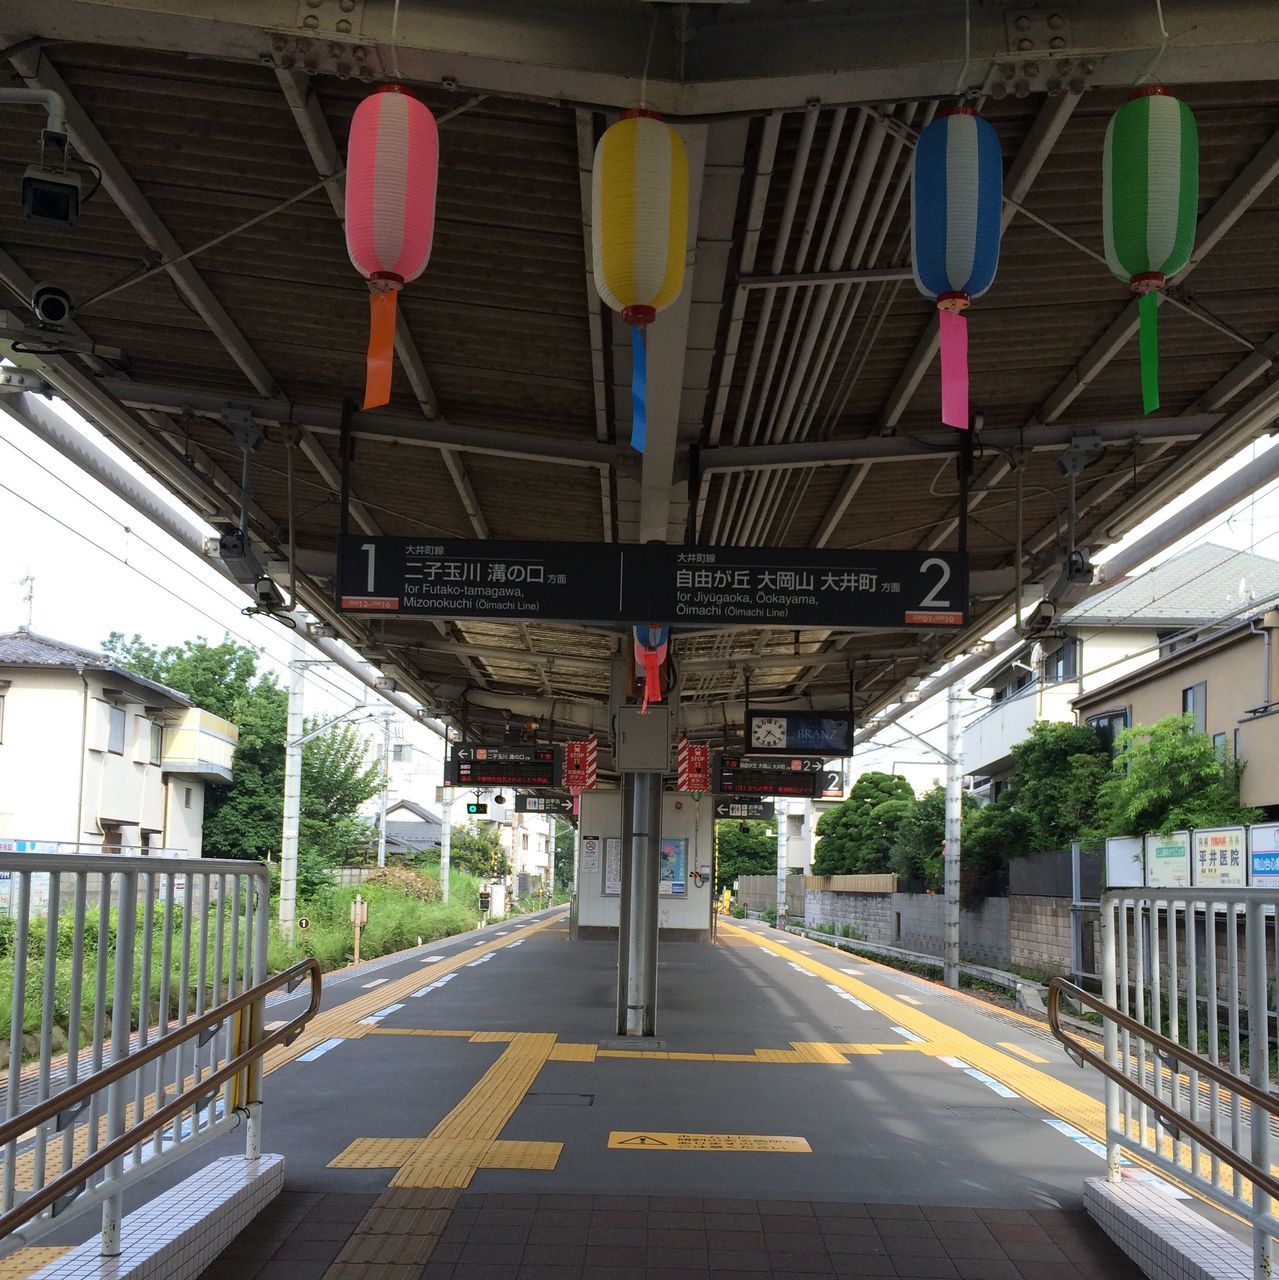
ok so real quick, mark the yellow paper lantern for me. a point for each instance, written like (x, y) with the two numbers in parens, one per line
(639, 229)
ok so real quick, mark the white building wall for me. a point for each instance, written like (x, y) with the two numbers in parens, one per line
(682, 816)
(184, 825)
(40, 756)
(1111, 655)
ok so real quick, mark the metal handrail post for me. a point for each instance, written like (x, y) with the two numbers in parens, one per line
(1110, 1038)
(121, 1028)
(1259, 1075)
(257, 1016)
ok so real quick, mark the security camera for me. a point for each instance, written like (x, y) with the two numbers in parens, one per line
(267, 594)
(51, 196)
(51, 304)
(1043, 615)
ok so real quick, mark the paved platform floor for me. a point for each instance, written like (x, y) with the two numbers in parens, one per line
(466, 1112)
(610, 1237)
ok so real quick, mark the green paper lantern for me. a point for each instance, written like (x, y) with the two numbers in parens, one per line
(1150, 201)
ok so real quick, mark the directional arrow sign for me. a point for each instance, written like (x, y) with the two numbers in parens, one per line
(760, 810)
(543, 804)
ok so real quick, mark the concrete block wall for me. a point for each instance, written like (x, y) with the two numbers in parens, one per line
(1039, 933)
(916, 922)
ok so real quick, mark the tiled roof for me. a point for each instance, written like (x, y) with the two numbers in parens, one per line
(23, 648)
(1200, 585)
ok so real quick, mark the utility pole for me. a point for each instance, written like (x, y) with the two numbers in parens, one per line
(292, 793)
(781, 860)
(386, 787)
(954, 820)
(446, 836)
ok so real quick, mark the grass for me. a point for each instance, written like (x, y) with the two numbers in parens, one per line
(403, 908)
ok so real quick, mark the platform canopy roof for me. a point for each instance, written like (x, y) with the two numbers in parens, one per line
(794, 395)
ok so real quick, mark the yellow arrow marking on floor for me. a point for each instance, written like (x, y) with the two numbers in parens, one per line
(629, 1140)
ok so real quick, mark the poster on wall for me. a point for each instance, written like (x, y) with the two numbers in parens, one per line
(1168, 860)
(590, 853)
(613, 867)
(1263, 855)
(1123, 862)
(1219, 860)
(672, 879)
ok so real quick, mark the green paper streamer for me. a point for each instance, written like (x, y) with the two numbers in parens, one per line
(1148, 335)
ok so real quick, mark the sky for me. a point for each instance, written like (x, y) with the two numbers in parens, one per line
(98, 566)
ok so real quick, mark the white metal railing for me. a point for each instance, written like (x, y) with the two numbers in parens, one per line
(1187, 1012)
(134, 950)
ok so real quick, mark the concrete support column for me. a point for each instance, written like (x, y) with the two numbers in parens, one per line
(624, 902)
(783, 839)
(642, 852)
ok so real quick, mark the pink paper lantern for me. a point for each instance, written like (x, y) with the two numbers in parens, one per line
(392, 163)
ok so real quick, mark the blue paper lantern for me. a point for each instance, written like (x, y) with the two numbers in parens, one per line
(958, 199)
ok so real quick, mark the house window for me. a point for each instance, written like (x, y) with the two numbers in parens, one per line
(1219, 745)
(186, 799)
(115, 730)
(1064, 664)
(157, 743)
(1108, 727)
(523, 839)
(401, 752)
(1194, 701)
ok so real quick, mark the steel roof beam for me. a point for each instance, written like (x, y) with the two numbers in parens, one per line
(808, 280)
(373, 425)
(744, 58)
(875, 449)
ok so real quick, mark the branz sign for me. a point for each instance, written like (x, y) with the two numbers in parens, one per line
(474, 766)
(612, 583)
(799, 776)
(786, 732)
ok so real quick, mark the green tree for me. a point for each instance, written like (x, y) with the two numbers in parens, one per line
(1167, 776)
(477, 849)
(244, 819)
(856, 837)
(1057, 772)
(214, 676)
(565, 849)
(745, 849)
(917, 847)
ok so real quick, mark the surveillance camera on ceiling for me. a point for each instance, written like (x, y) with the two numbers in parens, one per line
(51, 304)
(51, 196)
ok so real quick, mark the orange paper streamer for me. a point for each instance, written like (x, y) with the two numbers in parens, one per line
(377, 369)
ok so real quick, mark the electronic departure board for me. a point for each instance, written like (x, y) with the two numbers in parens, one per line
(797, 776)
(481, 766)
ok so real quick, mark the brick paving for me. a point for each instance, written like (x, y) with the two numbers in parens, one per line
(447, 1235)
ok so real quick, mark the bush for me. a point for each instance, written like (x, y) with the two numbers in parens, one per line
(769, 915)
(405, 880)
(739, 913)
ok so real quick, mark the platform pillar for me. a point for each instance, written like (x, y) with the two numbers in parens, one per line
(637, 934)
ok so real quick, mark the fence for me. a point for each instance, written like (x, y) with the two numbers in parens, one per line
(758, 893)
(1188, 979)
(158, 991)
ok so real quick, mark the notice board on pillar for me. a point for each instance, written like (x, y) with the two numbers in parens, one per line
(611, 884)
(672, 881)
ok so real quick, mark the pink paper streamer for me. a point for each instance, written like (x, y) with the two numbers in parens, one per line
(954, 369)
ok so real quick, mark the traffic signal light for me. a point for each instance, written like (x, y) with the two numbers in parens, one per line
(475, 807)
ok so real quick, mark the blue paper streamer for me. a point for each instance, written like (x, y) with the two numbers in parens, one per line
(639, 390)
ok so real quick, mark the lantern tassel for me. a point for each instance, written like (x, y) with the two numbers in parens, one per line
(639, 390)
(953, 332)
(652, 679)
(381, 356)
(1148, 339)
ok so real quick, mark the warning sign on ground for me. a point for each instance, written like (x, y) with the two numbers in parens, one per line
(650, 1141)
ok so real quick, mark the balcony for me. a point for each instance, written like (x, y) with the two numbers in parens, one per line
(200, 745)
(989, 740)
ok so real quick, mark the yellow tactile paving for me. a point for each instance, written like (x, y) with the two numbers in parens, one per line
(1058, 1099)
(26, 1262)
(574, 1053)
(1022, 1053)
(467, 1138)
(344, 1019)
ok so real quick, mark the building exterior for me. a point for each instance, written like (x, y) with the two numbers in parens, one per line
(411, 829)
(1227, 676)
(1115, 634)
(93, 757)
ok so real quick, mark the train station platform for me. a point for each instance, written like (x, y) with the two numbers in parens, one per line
(464, 1113)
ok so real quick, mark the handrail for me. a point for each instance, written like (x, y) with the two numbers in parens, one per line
(48, 1110)
(1174, 1055)
(68, 864)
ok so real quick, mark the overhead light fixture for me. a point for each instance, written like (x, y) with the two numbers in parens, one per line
(322, 631)
(912, 695)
